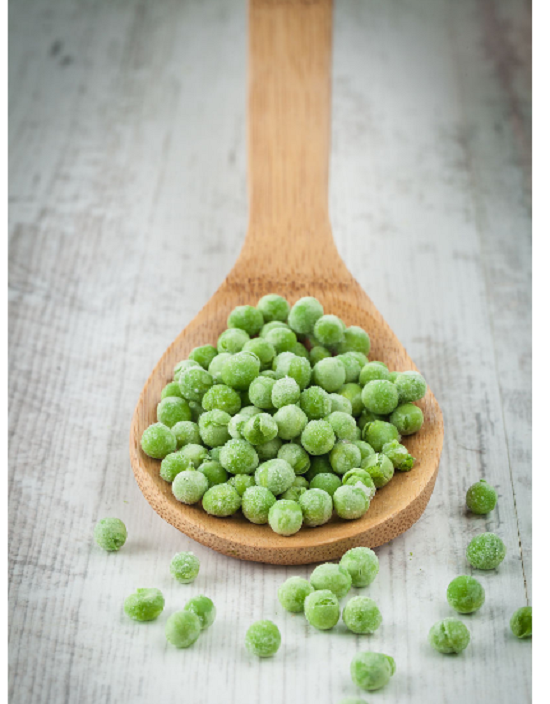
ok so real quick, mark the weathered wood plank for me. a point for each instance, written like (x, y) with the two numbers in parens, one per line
(128, 165)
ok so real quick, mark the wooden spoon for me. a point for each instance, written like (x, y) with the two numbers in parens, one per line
(289, 250)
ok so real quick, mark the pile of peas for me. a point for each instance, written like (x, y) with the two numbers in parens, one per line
(285, 419)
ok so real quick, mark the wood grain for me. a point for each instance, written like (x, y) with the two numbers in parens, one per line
(289, 249)
(124, 169)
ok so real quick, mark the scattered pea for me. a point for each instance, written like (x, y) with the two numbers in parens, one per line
(449, 636)
(362, 565)
(263, 639)
(481, 497)
(361, 615)
(292, 594)
(521, 623)
(465, 594)
(486, 551)
(182, 628)
(184, 567)
(204, 608)
(333, 577)
(110, 534)
(372, 671)
(322, 609)
(144, 605)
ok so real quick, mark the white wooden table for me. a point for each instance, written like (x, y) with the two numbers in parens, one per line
(128, 207)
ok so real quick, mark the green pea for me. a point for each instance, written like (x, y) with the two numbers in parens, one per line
(274, 307)
(240, 370)
(408, 419)
(329, 330)
(246, 318)
(263, 350)
(329, 374)
(204, 355)
(184, 567)
(344, 456)
(380, 396)
(110, 534)
(239, 457)
(296, 457)
(213, 428)
(372, 372)
(223, 398)
(290, 422)
(317, 437)
(221, 500)
(257, 500)
(214, 472)
(285, 517)
(315, 402)
(232, 340)
(304, 314)
(380, 469)
(355, 340)
(172, 410)
(317, 353)
(378, 433)
(158, 441)
(297, 368)
(144, 605)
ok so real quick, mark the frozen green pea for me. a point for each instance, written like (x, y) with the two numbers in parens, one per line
(352, 366)
(318, 437)
(173, 464)
(329, 374)
(273, 307)
(300, 350)
(195, 454)
(282, 339)
(350, 502)
(361, 615)
(260, 429)
(393, 376)
(290, 421)
(326, 482)
(260, 392)
(362, 564)
(408, 419)
(329, 330)
(364, 448)
(355, 340)
(449, 636)
(333, 577)
(293, 493)
(194, 383)
(380, 396)
(304, 314)
(322, 609)
(372, 671)
(378, 433)
(352, 392)
(284, 392)
(486, 551)
(319, 465)
(237, 423)
(272, 325)
(204, 355)
(171, 389)
(263, 639)
(344, 456)
(373, 371)
(315, 402)
(203, 608)
(293, 593)
(242, 482)
(232, 340)
(246, 318)
(343, 424)
(263, 350)
(216, 365)
(297, 368)
(182, 628)
(213, 428)
(269, 373)
(257, 500)
(221, 500)
(269, 450)
(301, 482)
(214, 453)
(340, 404)
(521, 623)
(481, 497)
(276, 475)
(359, 356)
(316, 506)
(380, 469)
(184, 567)
(171, 410)
(240, 370)
(285, 517)
(239, 457)
(214, 472)
(110, 534)
(399, 456)
(465, 594)
(144, 605)
(296, 457)
(361, 479)
(158, 441)
(317, 353)
(222, 398)
(411, 386)
(186, 433)
(189, 487)
(182, 366)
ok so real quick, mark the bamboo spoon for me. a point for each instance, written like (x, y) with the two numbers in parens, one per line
(289, 250)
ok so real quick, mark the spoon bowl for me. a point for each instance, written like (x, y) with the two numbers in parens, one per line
(289, 250)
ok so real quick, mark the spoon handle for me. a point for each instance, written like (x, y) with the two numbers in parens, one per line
(289, 88)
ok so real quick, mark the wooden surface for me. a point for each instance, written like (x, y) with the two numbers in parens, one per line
(125, 168)
(289, 78)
